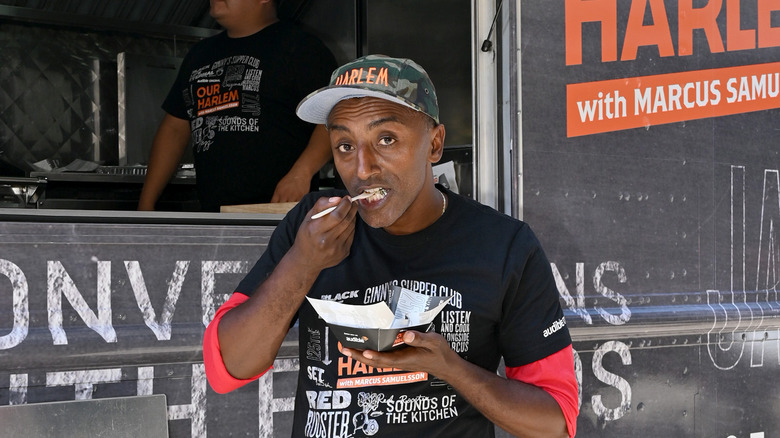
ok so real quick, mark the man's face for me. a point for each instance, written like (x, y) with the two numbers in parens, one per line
(380, 144)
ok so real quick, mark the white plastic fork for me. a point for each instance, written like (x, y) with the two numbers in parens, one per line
(356, 198)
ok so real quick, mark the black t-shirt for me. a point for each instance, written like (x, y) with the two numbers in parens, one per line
(240, 95)
(505, 303)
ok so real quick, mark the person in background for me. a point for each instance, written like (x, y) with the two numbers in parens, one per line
(235, 97)
(382, 117)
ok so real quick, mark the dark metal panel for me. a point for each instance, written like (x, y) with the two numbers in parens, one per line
(440, 42)
(188, 18)
(119, 417)
(159, 286)
(657, 235)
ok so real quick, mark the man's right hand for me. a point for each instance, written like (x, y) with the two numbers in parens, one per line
(324, 242)
(250, 335)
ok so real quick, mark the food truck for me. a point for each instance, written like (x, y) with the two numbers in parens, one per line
(640, 139)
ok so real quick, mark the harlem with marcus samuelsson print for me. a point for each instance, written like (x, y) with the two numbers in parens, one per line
(364, 398)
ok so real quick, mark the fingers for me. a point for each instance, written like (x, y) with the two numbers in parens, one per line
(426, 340)
(323, 209)
(338, 223)
(424, 352)
(326, 241)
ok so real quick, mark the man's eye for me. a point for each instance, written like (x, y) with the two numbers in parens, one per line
(386, 141)
(344, 147)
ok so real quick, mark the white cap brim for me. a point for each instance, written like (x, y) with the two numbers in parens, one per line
(316, 107)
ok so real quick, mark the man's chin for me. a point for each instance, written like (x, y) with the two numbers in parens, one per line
(375, 220)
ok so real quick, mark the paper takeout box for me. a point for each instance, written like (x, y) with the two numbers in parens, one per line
(380, 326)
(373, 338)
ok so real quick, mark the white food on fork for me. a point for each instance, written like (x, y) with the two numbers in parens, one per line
(374, 194)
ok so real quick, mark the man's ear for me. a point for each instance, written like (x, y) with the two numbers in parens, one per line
(437, 143)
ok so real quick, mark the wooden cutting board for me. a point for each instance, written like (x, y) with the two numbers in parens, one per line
(270, 208)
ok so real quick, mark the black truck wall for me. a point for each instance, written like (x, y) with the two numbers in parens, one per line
(93, 310)
(650, 140)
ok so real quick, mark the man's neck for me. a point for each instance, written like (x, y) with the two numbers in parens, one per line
(250, 28)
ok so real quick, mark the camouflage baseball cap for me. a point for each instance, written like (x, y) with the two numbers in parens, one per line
(398, 80)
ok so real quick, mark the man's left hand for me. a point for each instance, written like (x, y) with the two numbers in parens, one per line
(427, 352)
(291, 188)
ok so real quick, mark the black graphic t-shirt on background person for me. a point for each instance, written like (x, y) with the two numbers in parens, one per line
(240, 95)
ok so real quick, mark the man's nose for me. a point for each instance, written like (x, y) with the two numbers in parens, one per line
(366, 162)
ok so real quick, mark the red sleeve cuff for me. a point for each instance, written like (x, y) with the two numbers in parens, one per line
(555, 374)
(218, 376)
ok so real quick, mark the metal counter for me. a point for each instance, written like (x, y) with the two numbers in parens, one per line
(112, 188)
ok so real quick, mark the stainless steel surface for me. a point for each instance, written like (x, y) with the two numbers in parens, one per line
(114, 188)
(117, 417)
(59, 92)
(112, 174)
(21, 192)
(138, 217)
(143, 83)
(58, 70)
(183, 18)
(487, 177)
(122, 170)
